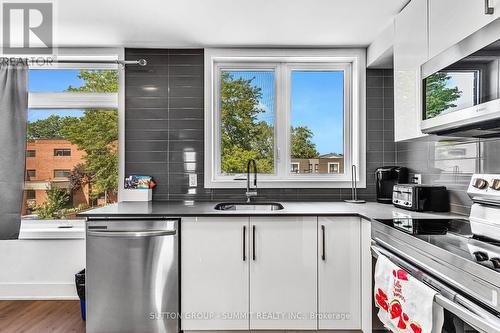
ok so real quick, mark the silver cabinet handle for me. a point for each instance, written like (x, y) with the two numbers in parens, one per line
(131, 233)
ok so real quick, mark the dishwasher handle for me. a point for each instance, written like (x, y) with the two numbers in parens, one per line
(131, 233)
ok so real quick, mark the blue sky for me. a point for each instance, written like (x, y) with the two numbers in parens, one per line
(317, 102)
(46, 80)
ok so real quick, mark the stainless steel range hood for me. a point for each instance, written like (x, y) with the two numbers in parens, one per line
(461, 87)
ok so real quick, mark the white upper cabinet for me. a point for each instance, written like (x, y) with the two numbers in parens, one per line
(215, 276)
(410, 52)
(283, 273)
(339, 273)
(452, 20)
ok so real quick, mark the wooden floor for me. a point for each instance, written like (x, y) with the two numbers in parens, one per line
(41, 317)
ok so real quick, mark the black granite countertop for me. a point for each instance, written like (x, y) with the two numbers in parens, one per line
(370, 210)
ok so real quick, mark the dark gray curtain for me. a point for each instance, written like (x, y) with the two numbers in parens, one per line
(13, 116)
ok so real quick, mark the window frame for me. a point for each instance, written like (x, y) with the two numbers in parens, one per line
(287, 60)
(347, 117)
(83, 100)
(31, 154)
(242, 66)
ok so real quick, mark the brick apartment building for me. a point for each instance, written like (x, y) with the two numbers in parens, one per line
(50, 162)
(327, 163)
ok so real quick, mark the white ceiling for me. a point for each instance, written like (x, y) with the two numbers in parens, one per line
(202, 23)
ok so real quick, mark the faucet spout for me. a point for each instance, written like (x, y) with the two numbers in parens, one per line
(251, 193)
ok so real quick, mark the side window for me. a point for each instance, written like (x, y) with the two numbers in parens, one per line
(73, 150)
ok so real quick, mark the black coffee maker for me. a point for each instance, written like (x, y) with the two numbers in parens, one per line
(386, 177)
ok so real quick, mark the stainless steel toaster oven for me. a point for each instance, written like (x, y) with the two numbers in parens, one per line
(420, 198)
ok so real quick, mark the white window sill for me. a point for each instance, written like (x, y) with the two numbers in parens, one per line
(52, 229)
(304, 183)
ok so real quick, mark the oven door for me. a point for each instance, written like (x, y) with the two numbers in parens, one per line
(460, 314)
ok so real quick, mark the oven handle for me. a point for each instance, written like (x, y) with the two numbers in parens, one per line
(468, 312)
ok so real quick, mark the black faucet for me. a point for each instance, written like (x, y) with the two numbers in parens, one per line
(252, 193)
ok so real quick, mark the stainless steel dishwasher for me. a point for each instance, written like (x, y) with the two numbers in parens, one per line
(132, 276)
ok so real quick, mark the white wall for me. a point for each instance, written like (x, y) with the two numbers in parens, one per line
(40, 268)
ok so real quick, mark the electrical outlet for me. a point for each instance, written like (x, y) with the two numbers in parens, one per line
(193, 180)
(417, 178)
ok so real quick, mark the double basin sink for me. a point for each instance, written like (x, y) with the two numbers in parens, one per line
(246, 206)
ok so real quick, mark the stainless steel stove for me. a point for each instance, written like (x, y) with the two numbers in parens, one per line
(460, 258)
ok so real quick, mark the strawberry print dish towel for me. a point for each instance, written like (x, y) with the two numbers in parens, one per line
(405, 304)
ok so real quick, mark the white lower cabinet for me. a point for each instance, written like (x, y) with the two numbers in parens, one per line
(339, 273)
(283, 274)
(270, 273)
(214, 274)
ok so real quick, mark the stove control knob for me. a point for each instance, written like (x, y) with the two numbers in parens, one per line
(481, 256)
(480, 183)
(495, 184)
(495, 262)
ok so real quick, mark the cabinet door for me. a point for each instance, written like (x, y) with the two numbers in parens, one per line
(450, 21)
(283, 273)
(215, 273)
(410, 52)
(339, 273)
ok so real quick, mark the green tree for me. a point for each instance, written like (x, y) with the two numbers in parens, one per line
(438, 97)
(48, 128)
(57, 200)
(96, 133)
(302, 145)
(78, 177)
(100, 81)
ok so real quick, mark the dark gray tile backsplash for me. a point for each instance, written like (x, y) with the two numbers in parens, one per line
(164, 129)
(450, 162)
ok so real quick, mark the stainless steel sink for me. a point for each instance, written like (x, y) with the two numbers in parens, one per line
(259, 206)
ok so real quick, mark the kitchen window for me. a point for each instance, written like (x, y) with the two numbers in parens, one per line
(62, 152)
(73, 126)
(299, 114)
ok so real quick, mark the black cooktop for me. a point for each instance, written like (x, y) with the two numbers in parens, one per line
(453, 235)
